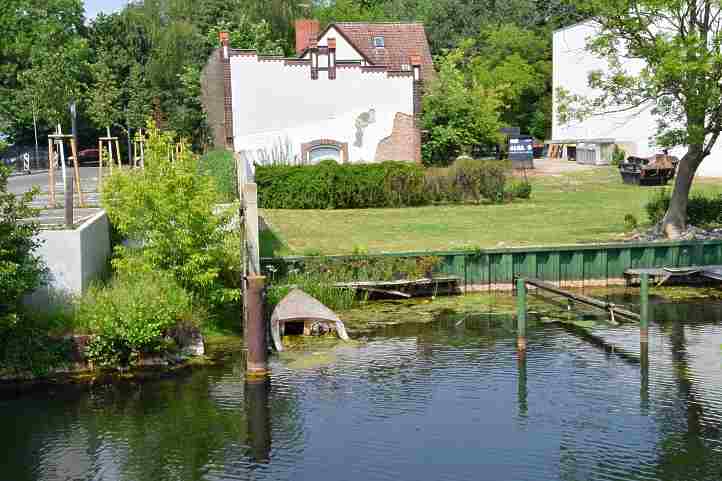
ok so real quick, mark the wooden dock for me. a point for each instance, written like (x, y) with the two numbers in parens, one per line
(405, 289)
(685, 275)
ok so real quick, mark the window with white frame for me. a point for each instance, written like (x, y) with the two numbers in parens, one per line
(379, 42)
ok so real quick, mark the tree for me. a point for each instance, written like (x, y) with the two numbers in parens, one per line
(680, 45)
(461, 113)
(170, 210)
(42, 61)
(104, 99)
(243, 33)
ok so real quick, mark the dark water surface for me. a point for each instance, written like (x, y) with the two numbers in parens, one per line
(446, 401)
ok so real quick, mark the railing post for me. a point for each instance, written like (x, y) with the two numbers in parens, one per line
(644, 307)
(257, 356)
(521, 314)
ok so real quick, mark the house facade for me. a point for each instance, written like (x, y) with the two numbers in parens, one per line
(352, 94)
(595, 137)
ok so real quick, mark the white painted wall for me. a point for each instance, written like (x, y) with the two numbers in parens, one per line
(275, 104)
(344, 50)
(572, 65)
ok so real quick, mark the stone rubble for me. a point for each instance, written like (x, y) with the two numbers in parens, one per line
(655, 234)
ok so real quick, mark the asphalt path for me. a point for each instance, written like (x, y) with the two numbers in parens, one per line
(19, 184)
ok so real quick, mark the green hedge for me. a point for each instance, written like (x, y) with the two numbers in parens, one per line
(329, 185)
(221, 165)
(701, 210)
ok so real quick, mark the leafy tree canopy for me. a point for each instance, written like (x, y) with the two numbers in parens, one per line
(678, 45)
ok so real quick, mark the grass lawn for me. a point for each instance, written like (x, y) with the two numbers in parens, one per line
(587, 206)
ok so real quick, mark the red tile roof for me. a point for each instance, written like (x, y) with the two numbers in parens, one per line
(401, 42)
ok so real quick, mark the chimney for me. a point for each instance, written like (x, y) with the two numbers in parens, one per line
(306, 30)
(224, 39)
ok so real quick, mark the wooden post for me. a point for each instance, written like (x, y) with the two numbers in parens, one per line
(521, 314)
(76, 168)
(100, 165)
(69, 200)
(644, 307)
(257, 356)
(51, 175)
(117, 151)
(250, 199)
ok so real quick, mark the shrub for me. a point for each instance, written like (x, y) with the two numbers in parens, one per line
(471, 180)
(168, 208)
(518, 189)
(631, 222)
(318, 276)
(132, 316)
(618, 156)
(20, 269)
(701, 210)
(328, 185)
(221, 166)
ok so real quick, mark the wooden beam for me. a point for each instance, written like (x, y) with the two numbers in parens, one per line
(590, 301)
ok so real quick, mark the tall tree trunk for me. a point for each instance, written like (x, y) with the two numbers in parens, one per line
(675, 220)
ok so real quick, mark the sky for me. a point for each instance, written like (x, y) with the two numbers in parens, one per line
(93, 7)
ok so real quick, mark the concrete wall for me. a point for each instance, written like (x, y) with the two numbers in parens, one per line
(277, 107)
(74, 258)
(635, 129)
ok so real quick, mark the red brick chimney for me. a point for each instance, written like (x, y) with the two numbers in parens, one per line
(306, 30)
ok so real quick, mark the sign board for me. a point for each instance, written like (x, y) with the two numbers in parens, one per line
(521, 152)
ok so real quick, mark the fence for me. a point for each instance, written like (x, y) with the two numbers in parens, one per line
(23, 159)
(574, 265)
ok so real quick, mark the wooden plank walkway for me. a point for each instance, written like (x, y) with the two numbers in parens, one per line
(691, 274)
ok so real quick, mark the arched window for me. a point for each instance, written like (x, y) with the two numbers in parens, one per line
(322, 149)
(323, 152)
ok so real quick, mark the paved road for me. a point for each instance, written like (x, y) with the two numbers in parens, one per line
(20, 184)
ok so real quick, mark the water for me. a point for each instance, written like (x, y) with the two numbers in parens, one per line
(445, 401)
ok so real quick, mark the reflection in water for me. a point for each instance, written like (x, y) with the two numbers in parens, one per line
(450, 400)
(644, 377)
(522, 393)
(258, 416)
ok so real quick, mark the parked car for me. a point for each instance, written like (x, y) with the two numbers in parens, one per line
(88, 155)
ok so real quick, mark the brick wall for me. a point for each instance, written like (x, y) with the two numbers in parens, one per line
(404, 143)
(212, 98)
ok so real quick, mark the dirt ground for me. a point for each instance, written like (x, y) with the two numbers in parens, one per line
(556, 167)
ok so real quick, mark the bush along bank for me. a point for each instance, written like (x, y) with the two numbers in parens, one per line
(329, 185)
(177, 279)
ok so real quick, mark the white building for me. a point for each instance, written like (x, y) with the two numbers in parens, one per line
(351, 94)
(592, 140)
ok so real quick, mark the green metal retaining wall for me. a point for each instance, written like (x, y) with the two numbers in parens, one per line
(584, 262)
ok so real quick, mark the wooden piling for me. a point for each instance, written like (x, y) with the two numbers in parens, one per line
(521, 314)
(644, 307)
(51, 174)
(258, 418)
(257, 356)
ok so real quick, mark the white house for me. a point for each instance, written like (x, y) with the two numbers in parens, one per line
(352, 94)
(592, 140)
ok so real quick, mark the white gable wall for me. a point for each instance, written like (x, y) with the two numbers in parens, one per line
(344, 50)
(635, 129)
(276, 104)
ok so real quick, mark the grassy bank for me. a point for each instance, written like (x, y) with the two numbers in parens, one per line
(587, 206)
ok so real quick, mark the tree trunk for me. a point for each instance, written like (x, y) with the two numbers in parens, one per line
(675, 220)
